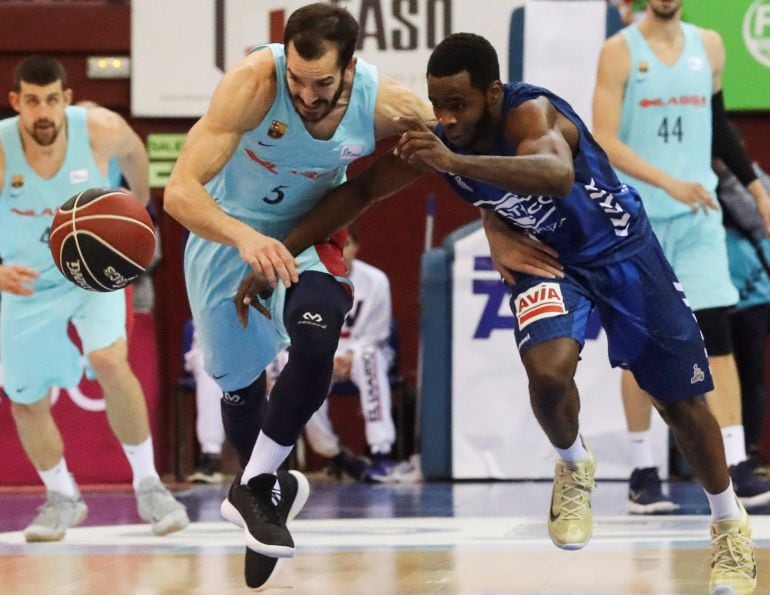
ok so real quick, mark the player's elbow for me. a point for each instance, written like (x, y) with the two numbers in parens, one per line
(173, 199)
(563, 181)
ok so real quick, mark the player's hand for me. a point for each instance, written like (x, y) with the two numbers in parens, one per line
(692, 194)
(514, 251)
(342, 365)
(253, 287)
(16, 279)
(419, 147)
(269, 257)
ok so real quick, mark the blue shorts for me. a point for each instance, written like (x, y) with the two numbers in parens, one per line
(651, 330)
(235, 356)
(695, 246)
(37, 351)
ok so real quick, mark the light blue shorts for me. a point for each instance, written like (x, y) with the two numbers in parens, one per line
(695, 246)
(235, 356)
(37, 351)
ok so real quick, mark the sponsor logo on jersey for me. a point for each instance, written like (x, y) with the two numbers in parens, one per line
(694, 100)
(643, 66)
(277, 129)
(350, 152)
(544, 300)
(78, 176)
(694, 63)
(17, 181)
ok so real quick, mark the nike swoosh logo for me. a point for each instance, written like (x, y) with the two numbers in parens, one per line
(259, 142)
(215, 377)
(21, 390)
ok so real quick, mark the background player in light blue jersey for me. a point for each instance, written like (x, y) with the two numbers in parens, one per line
(49, 152)
(523, 155)
(658, 99)
(282, 127)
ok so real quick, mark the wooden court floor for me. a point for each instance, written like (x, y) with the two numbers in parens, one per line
(471, 538)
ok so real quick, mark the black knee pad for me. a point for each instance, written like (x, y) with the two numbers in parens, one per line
(314, 330)
(715, 325)
(242, 413)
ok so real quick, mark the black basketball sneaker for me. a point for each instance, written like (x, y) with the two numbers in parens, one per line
(263, 514)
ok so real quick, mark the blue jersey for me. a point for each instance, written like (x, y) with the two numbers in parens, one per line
(279, 171)
(601, 220)
(666, 117)
(29, 202)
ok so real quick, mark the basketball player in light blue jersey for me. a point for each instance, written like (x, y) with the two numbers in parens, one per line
(282, 127)
(658, 112)
(522, 155)
(49, 152)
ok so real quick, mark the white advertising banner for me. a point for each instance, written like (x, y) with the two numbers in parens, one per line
(181, 47)
(562, 41)
(494, 432)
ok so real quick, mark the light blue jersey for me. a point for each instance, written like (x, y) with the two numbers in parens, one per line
(667, 117)
(29, 202)
(278, 173)
(37, 351)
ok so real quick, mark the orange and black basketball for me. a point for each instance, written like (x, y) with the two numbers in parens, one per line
(102, 239)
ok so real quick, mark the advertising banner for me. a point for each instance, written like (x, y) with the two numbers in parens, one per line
(745, 28)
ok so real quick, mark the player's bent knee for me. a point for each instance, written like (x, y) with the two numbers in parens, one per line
(314, 330)
(110, 359)
(715, 325)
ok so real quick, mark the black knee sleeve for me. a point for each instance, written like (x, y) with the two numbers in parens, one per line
(242, 413)
(715, 325)
(304, 382)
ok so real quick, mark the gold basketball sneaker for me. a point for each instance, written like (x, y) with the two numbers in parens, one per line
(570, 521)
(733, 568)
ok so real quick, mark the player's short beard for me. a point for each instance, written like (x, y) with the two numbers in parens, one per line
(665, 15)
(48, 140)
(331, 102)
(483, 128)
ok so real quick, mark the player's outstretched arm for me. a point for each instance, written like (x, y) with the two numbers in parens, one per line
(241, 100)
(543, 163)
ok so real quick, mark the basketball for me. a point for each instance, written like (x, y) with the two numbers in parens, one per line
(102, 239)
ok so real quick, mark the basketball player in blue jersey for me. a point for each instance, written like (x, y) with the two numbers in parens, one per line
(49, 152)
(658, 112)
(282, 127)
(526, 159)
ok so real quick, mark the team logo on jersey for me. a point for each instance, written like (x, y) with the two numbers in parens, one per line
(544, 300)
(643, 67)
(277, 129)
(78, 176)
(17, 181)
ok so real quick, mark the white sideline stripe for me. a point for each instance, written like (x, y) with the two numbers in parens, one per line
(330, 535)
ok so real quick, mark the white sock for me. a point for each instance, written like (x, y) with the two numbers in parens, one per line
(641, 450)
(724, 505)
(576, 452)
(735, 444)
(58, 479)
(266, 457)
(142, 460)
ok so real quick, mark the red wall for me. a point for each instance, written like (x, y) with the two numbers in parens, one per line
(392, 232)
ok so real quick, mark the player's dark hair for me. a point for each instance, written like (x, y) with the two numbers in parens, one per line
(39, 70)
(313, 27)
(466, 52)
